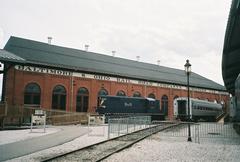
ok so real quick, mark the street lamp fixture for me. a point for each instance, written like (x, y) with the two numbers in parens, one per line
(187, 67)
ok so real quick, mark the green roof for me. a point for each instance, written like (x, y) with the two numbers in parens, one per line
(39, 53)
(9, 57)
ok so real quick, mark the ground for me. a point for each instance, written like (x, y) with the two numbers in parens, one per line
(158, 147)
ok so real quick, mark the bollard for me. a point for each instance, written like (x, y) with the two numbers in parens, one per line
(109, 127)
(118, 127)
(127, 125)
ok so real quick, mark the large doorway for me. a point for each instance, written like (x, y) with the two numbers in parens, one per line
(59, 98)
(82, 100)
(165, 105)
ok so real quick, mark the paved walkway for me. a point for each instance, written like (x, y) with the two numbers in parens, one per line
(21, 148)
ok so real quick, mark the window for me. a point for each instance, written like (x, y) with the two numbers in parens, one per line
(103, 92)
(121, 93)
(136, 94)
(164, 104)
(59, 98)
(151, 95)
(32, 94)
(82, 100)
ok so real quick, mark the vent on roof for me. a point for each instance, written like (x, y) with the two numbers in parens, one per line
(113, 53)
(158, 62)
(49, 40)
(86, 47)
(138, 58)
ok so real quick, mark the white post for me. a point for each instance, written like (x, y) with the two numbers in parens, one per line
(31, 123)
(44, 123)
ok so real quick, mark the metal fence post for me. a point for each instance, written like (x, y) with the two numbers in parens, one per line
(198, 134)
(134, 124)
(109, 127)
(127, 125)
(118, 127)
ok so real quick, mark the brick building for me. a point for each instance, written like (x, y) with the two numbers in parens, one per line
(68, 79)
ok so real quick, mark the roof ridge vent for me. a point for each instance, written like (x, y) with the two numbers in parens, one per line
(49, 40)
(86, 47)
(113, 53)
(138, 58)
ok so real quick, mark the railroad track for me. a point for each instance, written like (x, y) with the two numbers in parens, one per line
(102, 150)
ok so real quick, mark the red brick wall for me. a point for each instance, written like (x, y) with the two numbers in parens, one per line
(17, 80)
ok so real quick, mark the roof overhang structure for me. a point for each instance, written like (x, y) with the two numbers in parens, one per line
(231, 50)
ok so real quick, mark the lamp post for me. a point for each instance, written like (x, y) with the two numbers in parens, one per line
(188, 71)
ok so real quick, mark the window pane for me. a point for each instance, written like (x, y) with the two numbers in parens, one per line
(36, 100)
(54, 101)
(151, 95)
(32, 88)
(79, 104)
(32, 94)
(59, 90)
(136, 94)
(103, 92)
(85, 103)
(63, 102)
(27, 99)
(121, 93)
(82, 91)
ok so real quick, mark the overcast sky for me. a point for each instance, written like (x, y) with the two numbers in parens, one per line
(167, 30)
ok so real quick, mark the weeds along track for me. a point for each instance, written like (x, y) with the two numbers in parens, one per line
(102, 150)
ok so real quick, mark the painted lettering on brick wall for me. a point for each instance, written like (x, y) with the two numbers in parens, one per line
(108, 78)
(123, 80)
(43, 70)
(101, 77)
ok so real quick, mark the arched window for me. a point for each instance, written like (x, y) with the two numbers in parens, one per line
(59, 98)
(82, 100)
(151, 95)
(175, 97)
(121, 93)
(103, 92)
(164, 105)
(137, 94)
(32, 94)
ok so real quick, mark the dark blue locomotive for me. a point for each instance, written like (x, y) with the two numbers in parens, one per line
(123, 105)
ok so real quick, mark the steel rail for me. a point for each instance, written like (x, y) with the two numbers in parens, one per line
(104, 149)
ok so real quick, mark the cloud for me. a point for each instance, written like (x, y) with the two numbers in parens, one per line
(171, 31)
(1, 37)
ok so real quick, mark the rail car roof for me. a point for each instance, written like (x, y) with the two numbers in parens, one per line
(201, 102)
(43, 54)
